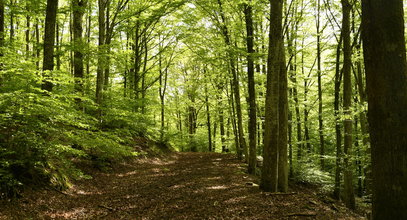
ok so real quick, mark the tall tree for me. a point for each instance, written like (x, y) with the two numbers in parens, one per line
(349, 197)
(100, 67)
(319, 73)
(251, 84)
(236, 87)
(282, 122)
(1, 27)
(386, 81)
(49, 40)
(269, 174)
(79, 7)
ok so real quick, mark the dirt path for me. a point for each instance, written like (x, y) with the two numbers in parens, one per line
(182, 186)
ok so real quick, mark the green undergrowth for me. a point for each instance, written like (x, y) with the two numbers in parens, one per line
(42, 135)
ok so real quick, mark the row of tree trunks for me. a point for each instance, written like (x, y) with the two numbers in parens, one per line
(242, 148)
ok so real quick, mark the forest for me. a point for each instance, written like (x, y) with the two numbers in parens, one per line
(281, 99)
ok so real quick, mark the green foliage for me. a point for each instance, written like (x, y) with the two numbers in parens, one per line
(43, 135)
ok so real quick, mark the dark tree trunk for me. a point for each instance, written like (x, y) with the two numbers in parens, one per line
(27, 32)
(49, 40)
(208, 119)
(100, 67)
(37, 44)
(349, 197)
(79, 7)
(251, 89)
(386, 81)
(2, 33)
(338, 159)
(12, 19)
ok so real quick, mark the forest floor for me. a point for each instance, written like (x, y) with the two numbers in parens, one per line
(177, 186)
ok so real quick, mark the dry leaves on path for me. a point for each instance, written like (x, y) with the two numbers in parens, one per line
(180, 186)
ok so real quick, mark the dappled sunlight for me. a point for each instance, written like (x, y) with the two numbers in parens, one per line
(235, 200)
(81, 192)
(217, 187)
(134, 172)
(75, 213)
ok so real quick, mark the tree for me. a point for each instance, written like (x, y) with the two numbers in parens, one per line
(349, 197)
(319, 73)
(236, 87)
(386, 80)
(79, 7)
(252, 92)
(1, 28)
(269, 173)
(49, 40)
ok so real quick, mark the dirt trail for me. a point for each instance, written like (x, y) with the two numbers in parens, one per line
(181, 186)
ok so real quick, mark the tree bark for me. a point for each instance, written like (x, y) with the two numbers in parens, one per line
(319, 73)
(338, 159)
(269, 174)
(49, 40)
(101, 51)
(251, 89)
(386, 83)
(283, 123)
(79, 7)
(349, 197)
(236, 87)
(2, 33)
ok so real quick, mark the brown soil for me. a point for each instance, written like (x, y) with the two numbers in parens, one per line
(180, 186)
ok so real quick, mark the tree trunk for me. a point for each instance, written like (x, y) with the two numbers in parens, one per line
(27, 32)
(282, 123)
(37, 45)
(349, 197)
(79, 7)
(208, 119)
(269, 174)
(338, 159)
(319, 73)
(386, 81)
(236, 86)
(11, 7)
(251, 89)
(101, 51)
(49, 40)
(2, 33)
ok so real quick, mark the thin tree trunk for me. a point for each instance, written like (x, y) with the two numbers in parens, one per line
(2, 33)
(283, 123)
(12, 20)
(27, 32)
(101, 51)
(338, 159)
(349, 197)
(236, 86)
(78, 12)
(319, 72)
(208, 119)
(37, 44)
(251, 89)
